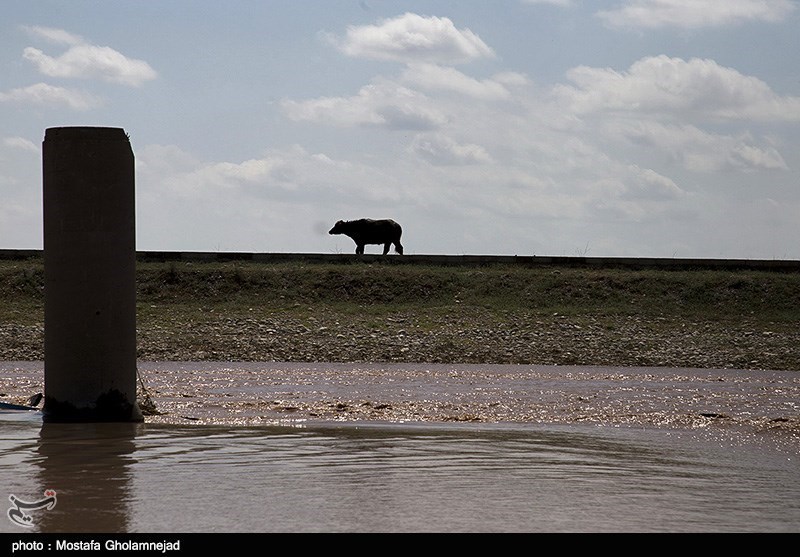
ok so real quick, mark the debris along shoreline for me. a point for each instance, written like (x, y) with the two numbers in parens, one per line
(720, 402)
(372, 310)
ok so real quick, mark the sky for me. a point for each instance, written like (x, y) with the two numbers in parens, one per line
(626, 128)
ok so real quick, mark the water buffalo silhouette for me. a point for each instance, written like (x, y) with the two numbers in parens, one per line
(369, 231)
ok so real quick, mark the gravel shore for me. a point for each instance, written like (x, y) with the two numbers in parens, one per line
(465, 337)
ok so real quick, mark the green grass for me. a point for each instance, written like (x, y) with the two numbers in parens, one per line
(22, 292)
(378, 289)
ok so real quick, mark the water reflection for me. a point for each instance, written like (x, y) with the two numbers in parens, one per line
(88, 465)
(459, 479)
(395, 478)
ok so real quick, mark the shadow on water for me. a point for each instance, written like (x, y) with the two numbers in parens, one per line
(85, 466)
(88, 465)
(393, 478)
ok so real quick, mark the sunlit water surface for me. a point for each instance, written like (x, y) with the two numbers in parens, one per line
(393, 478)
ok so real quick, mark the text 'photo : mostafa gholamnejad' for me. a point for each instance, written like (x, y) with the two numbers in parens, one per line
(162, 546)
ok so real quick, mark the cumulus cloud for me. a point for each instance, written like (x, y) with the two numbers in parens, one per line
(414, 38)
(52, 96)
(86, 61)
(606, 145)
(694, 13)
(381, 103)
(667, 85)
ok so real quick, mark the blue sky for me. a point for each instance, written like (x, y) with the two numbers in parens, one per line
(640, 128)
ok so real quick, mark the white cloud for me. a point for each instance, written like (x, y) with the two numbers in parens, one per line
(440, 149)
(665, 85)
(698, 150)
(226, 175)
(53, 35)
(182, 175)
(442, 78)
(562, 3)
(606, 148)
(695, 13)
(277, 174)
(86, 61)
(52, 96)
(648, 184)
(750, 157)
(414, 38)
(21, 143)
(382, 103)
(630, 193)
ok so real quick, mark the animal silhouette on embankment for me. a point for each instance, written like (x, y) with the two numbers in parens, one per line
(369, 231)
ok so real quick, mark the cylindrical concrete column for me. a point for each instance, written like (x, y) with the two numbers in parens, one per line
(90, 276)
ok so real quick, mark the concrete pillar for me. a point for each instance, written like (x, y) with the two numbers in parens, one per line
(90, 276)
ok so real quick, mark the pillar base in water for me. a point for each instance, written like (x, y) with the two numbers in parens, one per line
(110, 407)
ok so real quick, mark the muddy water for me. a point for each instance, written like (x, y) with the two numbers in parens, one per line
(373, 448)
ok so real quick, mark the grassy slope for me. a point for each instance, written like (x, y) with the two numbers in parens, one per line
(542, 314)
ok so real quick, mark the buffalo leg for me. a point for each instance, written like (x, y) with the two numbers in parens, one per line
(359, 249)
(398, 248)
(386, 247)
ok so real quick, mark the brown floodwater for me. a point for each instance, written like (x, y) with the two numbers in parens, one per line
(279, 447)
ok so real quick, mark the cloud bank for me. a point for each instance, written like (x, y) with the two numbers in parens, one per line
(651, 14)
(660, 84)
